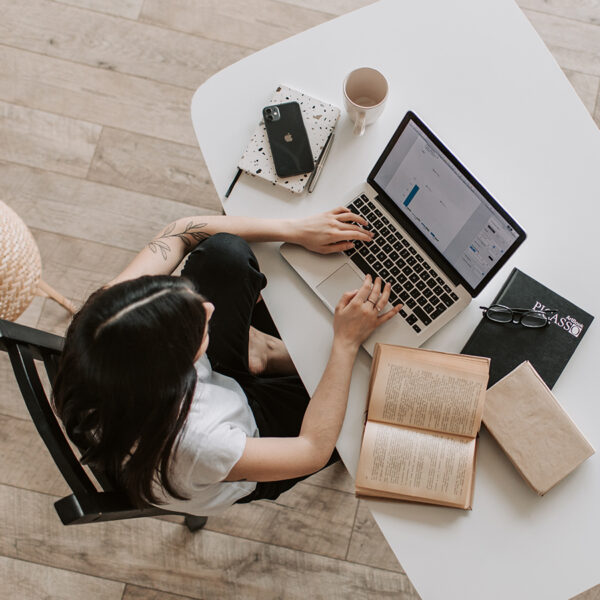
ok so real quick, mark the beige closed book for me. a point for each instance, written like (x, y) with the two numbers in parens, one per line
(533, 429)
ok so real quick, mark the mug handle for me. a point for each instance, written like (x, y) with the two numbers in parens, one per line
(359, 126)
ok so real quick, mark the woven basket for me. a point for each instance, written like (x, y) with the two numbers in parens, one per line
(20, 264)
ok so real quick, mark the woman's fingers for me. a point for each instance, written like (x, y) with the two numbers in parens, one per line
(369, 292)
(345, 225)
(344, 215)
(354, 231)
(337, 247)
(350, 217)
(347, 298)
(386, 316)
(338, 210)
(364, 291)
(375, 292)
(379, 298)
(351, 233)
(383, 298)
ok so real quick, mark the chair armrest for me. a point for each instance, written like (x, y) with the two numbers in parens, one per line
(34, 338)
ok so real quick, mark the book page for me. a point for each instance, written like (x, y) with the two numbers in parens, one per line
(428, 390)
(418, 464)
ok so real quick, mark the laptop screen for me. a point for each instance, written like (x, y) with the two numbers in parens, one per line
(444, 203)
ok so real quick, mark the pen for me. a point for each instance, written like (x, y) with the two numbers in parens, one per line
(324, 153)
(237, 176)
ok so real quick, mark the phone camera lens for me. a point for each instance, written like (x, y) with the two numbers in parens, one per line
(268, 110)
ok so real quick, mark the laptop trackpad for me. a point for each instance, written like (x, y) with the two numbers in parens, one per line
(341, 281)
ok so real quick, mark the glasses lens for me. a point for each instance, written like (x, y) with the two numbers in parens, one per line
(534, 319)
(499, 314)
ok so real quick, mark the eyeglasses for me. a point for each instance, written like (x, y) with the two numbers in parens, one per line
(525, 316)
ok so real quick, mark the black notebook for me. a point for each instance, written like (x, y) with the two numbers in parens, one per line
(548, 348)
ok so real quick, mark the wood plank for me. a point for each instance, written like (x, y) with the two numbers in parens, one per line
(45, 140)
(25, 460)
(253, 24)
(368, 546)
(575, 45)
(587, 11)
(164, 556)
(307, 518)
(335, 477)
(87, 210)
(108, 42)
(96, 95)
(54, 318)
(152, 166)
(28, 581)
(133, 592)
(78, 267)
(31, 315)
(130, 9)
(332, 7)
(11, 402)
(591, 594)
(586, 86)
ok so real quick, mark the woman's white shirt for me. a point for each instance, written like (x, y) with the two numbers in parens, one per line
(210, 444)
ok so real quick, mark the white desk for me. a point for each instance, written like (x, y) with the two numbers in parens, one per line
(477, 73)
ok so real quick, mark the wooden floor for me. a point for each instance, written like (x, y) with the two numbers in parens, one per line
(97, 152)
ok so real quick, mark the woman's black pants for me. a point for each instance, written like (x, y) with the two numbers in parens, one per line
(225, 271)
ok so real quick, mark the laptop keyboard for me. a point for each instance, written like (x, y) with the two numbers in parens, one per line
(391, 256)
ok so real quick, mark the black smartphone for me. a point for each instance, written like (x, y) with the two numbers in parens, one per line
(288, 139)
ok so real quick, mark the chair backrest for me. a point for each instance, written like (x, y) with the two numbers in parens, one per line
(86, 504)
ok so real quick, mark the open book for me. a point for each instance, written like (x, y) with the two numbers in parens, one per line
(424, 412)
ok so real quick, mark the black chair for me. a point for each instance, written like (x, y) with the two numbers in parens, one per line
(86, 504)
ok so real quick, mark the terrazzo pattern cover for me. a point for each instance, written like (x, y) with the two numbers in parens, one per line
(319, 119)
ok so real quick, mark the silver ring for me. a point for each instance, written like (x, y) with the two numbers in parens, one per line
(374, 305)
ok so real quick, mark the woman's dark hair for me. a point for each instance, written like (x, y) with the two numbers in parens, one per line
(126, 379)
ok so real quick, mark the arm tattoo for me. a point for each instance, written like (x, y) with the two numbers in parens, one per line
(190, 236)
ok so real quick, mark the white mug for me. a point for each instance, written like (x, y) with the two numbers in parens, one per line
(365, 93)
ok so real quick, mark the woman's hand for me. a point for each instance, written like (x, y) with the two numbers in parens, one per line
(358, 313)
(331, 231)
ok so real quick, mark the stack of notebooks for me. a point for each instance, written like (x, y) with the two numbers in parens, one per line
(521, 412)
(319, 118)
(425, 408)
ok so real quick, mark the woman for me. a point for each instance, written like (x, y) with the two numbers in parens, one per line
(167, 387)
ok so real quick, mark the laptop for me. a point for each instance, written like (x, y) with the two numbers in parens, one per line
(439, 238)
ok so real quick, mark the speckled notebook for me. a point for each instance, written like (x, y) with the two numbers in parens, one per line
(320, 119)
